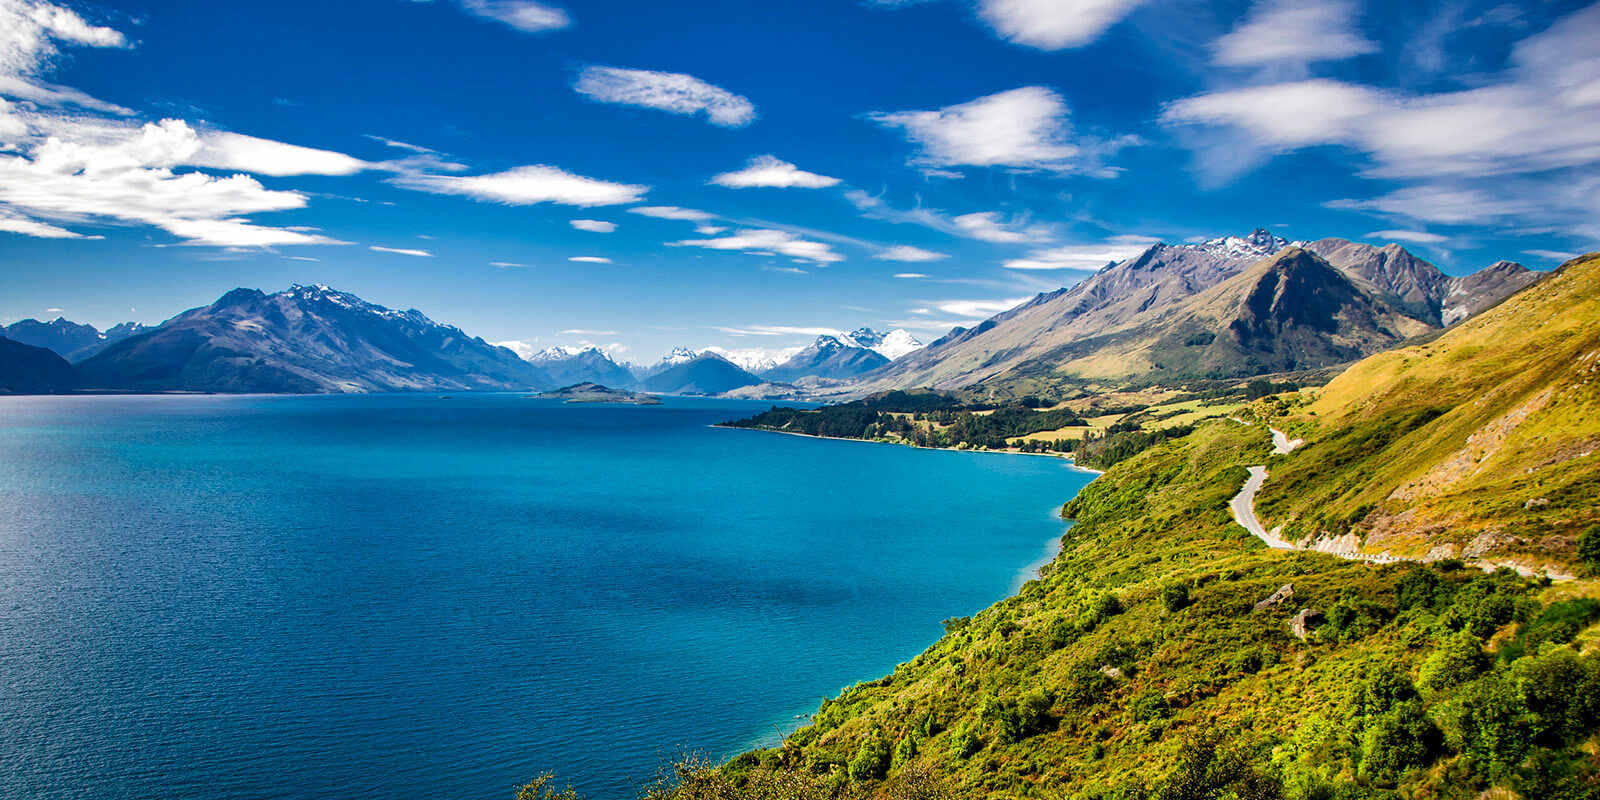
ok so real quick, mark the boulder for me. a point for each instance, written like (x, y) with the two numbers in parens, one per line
(1303, 623)
(1284, 593)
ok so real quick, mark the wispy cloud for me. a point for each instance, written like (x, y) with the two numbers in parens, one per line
(524, 15)
(673, 212)
(505, 264)
(780, 330)
(989, 227)
(1481, 155)
(1293, 31)
(1086, 258)
(1024, 127)
(590, 259)
(905, 252)
(768, 242)
(401, 251)
(909, 275)
(1417, 237)
(773, 172)
(527, 186)
(1553, 255)
(584, 332)
(672, 92)
(594, 225)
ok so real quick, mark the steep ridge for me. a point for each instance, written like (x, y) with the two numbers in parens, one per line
(308, 339)
(25, 369)
(1291, 311)
(1419, 289)
(1481, 444)
(1113, 298)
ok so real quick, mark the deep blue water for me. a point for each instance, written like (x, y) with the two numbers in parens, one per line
(415, 597)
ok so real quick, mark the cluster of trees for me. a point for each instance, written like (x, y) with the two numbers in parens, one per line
(926, 420)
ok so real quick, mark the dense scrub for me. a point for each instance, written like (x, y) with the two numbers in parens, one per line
(1139, 667)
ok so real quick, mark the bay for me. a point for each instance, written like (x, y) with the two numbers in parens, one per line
(414, 596)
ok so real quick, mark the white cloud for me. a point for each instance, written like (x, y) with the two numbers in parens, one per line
(1444, 205)
(1053, 24)
(29, 33)
(909, 275)
(1086, 258)
(1491, 154)
(523, 349)
(1418, 237)
(583, 332)
(771, 171)
(12, 222)
(769, 241)
(1553, 255)
(594, 225)
(235, 151)
(1285, 115)
(987, 226)
(709, 230)
(666, 91)
(977, 308)
(526, 186)
(780, 330)
(590, 259)
(1025, 128)
(673, 212)
(130, 179)
(505, 264)
(1293, 31)
(524, 15)
(904, 252)
(401, 251)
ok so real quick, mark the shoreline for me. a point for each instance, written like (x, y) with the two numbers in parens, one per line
(1067, 457)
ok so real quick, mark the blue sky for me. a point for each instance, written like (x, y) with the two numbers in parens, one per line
(641, 175)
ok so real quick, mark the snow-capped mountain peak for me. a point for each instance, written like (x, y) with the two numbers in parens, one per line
(1259, 244)
(891, 345)
(563, 352)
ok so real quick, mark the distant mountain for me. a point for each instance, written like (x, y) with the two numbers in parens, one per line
(308, 339)
(570, 365)
(1091, 331)
(703, 374)
(678, 355)
(26, 369)
(827, 357)
(891, 345)
(755, 360)
(68, 339)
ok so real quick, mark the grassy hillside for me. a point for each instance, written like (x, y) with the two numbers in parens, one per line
(1483, 443)
(1138, 666)
(1149, 660)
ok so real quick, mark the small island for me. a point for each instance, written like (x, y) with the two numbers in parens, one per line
(595, 393)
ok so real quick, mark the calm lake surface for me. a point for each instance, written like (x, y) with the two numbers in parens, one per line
(416, 597)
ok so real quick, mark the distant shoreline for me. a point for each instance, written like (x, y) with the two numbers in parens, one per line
(1067, 457)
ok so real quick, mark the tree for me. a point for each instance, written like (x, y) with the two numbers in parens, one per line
(1457, 660)
(1589, 549)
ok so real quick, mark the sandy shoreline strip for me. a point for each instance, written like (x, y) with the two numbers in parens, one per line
(1067, 457)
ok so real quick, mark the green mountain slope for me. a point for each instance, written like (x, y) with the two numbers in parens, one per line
(1483, 443)
(1167, 654)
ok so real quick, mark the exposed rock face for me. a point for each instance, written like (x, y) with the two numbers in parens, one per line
(1305, 622)
(1276, 598)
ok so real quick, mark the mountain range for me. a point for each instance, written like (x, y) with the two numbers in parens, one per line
(1202, 311)
(1227, 308)
(305, 339)
(70, 340)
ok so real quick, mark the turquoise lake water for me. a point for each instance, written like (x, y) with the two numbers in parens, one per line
(414, 597)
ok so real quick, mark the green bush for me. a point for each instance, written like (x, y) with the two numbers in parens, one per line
(1175, 597)
(1454, 662)
(963, 743)
(871, 762)
(1589, 549)
(1399, 739)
